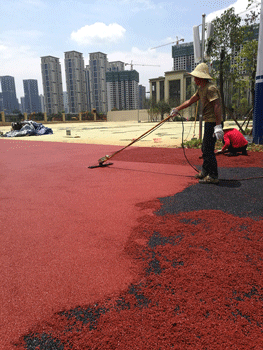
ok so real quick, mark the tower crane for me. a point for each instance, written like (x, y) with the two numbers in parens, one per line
(137, 64)
(177, 43)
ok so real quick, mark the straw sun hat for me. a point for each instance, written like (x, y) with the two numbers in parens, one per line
(201, 71)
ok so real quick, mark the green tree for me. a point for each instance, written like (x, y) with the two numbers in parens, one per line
(153, 111)
(254, 14)
(228, 34)
(247, 58)
(163, 107)
(146, 103)
(246, 61)
(250, 49)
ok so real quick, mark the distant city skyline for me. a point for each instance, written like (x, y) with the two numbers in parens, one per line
(8, 98)
(124, 30)
(31, 97)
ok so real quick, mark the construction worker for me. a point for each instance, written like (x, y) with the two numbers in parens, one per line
(234, 142)
(209, 96)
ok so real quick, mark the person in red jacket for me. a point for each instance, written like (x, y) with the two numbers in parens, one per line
(234, 142)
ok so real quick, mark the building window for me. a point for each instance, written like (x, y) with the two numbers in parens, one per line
(161, 90)
(188, 87)
(154, 92)
(175, 91)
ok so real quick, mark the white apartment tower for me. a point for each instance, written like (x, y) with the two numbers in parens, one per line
(116, 66)
(88, 87)
(52, 84)
(75, 82)
(98, 65)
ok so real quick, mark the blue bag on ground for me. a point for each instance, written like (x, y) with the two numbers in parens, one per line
(28, 128)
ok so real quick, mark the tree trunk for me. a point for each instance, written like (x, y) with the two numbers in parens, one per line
(221, 83)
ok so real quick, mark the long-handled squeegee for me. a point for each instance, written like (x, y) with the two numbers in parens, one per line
(107, 157)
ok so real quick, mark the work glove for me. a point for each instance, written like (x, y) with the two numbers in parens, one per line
(218, 132)
(174, 112)
(219, 151)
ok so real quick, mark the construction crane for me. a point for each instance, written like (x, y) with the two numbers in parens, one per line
(137, 64)
(177, 43)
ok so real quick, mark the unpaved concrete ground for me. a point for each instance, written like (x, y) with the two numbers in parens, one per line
(169, 134)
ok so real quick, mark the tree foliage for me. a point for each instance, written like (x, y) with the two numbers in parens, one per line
(254, 7)
(163, 108)
(246, 61)
(158, 108)
(228, 34)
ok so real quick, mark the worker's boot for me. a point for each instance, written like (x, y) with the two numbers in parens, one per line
(200, 175)
(209, 180)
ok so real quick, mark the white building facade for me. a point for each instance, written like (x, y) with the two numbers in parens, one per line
(76, 82)
(98, 64)
(52, 84)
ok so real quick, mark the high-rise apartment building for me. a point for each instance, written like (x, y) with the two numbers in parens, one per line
(123, 90)
(250, 33)
(116, 66)
(8, 99)
(76, 82)
(32, 100)
(22, 105)
(65, 101)
(98, 65)
(183, 57)
(52, 84)
(42, 103)
(88, 87)
(142, 96)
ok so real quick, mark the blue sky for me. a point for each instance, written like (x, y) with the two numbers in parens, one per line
(125, 30)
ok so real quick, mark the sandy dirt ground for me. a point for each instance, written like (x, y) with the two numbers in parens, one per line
(169, 134)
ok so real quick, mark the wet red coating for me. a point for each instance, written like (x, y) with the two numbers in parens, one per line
(64, 226)
(201, 287)
(208, 293)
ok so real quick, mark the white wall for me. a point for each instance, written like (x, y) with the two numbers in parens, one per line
(132, 115)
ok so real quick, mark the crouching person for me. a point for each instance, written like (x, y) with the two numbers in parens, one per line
(234, 142)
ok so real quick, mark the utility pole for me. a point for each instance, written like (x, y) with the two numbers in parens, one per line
(258, 107)
(199, 53)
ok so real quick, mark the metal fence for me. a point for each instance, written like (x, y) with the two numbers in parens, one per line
(59, 117)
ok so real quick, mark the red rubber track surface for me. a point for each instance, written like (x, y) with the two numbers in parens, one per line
(74, 238)
(64, 226)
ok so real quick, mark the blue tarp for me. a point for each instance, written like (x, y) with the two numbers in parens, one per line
(29, 128)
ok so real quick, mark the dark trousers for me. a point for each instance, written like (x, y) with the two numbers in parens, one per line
(233, 150)
(209, 166)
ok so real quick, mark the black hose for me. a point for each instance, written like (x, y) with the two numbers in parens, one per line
(183, 145)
